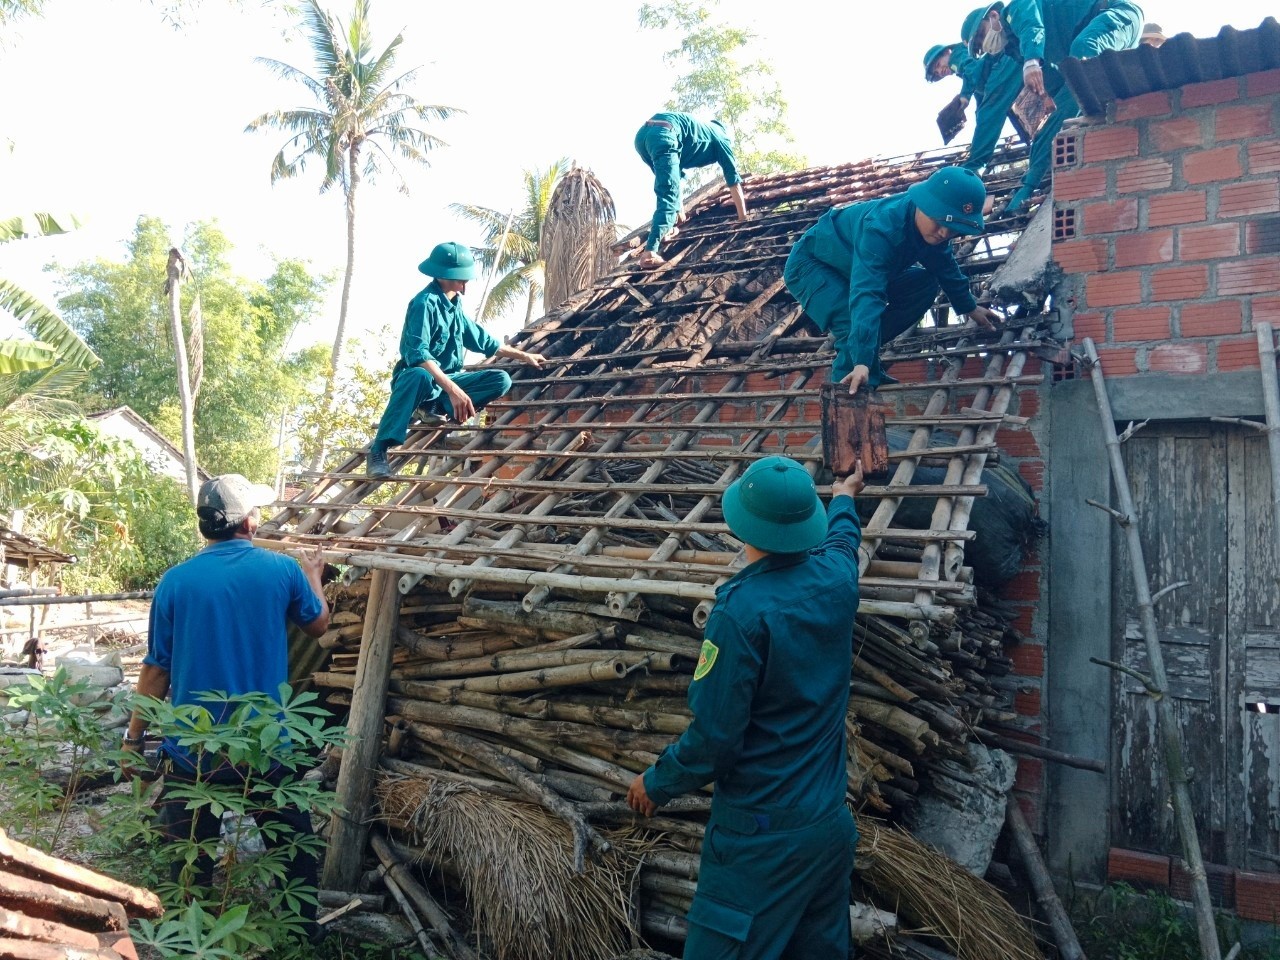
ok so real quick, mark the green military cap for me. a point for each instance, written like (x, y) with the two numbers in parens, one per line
(969, 31)
(449, 261)
(774, 506)
(937, 50)
(954, 197)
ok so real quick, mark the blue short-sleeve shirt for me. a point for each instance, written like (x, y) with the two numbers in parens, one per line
(218, 623)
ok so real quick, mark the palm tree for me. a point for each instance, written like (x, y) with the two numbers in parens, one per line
(361, 120)
(514, 243)
(29, 402)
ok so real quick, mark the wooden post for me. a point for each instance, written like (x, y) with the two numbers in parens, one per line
(364, 732)
(1271, 403)
(1171, 744)
(175, 273)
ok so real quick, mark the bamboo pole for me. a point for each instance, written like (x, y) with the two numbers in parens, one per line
(1063, 933)
(619, 718)
(1184, 813)
(595, 671)
(522, 660)
(395, 869)
(364, 731)
(1271, 403)
(520, 728)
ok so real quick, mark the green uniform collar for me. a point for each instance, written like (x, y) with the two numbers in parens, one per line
(772, 561)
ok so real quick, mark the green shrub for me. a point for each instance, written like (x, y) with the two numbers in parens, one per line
(1120, 923)
(251, 908)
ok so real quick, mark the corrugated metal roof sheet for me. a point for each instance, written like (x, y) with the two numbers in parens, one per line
(1182, 60)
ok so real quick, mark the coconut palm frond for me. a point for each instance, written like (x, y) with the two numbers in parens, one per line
(503, 296)
(45, 325)
(577, 237)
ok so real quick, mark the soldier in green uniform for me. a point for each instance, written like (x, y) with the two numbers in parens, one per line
(670, 144)
(769, 698)
(869, 271)
(428, 379)
(1045, 33)
(993, 81)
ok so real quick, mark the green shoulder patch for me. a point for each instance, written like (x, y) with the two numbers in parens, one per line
(706, 659)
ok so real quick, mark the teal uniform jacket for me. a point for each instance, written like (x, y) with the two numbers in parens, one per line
(671, 143)
(996, 85)
(769, 701)
(970, 69)
(1050, 31)
(436, 328)
(873, 244)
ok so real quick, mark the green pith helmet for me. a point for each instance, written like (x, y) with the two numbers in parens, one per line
(775, 507)
(937, 50)
(449, 261)
(954, 197)
(969, 31)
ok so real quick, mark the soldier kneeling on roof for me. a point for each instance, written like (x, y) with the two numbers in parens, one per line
(869, 271)
(428, 380)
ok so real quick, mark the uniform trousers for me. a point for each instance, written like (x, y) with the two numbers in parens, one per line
(770, 894)
(414, 387)
(1117, 27)
(659, 148)
(823, 291)
(1001, 89)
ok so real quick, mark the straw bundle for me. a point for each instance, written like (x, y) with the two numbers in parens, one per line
(944, 900)
(516, 867)
(577, 235)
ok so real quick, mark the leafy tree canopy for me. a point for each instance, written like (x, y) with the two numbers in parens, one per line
(253, 375)
(718, 79)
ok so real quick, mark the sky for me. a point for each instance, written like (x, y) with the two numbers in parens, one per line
(114, 113)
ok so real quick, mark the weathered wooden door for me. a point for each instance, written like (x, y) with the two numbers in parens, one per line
(1202, 493)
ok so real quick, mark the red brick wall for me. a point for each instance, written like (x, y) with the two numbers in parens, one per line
(1167, 229)
(1174, 207)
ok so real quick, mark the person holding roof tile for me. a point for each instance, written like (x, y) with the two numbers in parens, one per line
(769, 698)
(997, 79)
(869, 271)
(1044, 33)
(428, 380)
(670, 144)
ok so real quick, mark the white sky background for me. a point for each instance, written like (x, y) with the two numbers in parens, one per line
(113, 114)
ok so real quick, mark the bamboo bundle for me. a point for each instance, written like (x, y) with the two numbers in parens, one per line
(555, 711)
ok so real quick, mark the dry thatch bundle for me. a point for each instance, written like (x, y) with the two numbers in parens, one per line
(577, 235)
(515, 865)
(944, 900)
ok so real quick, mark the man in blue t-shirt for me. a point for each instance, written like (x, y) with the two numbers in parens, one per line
(218, 623)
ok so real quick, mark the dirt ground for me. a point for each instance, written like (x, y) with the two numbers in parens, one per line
(97, 628)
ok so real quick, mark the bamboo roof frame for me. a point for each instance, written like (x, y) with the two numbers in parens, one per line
(659, 389)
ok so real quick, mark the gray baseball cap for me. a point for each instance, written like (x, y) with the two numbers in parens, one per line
(230, 498)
